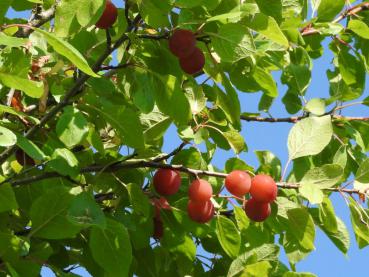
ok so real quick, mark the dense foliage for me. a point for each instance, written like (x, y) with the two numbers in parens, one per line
(88, 93)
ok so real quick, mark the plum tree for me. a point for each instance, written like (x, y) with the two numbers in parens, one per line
(108, 17)
(194, 62)
(257, 211)
(182, 43)
(167, 181)
(238, 183)
(200, 191)
(263, 188)
(201, 212)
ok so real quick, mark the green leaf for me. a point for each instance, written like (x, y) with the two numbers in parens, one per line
(233, 42)
(30, 148)
(301, 227)
(268, 27)
(259, 269)
(12, 41)
(171, 100)
(111, 248)
(323, 177)
(309, 136)
(316, 106)
(31, 88)
(266, 82)
(52, 222)
(154, 125)
(269, 164)
(266, 252)
(241, 219)
(298, 274)
(362, 173)
(329, 9)
(327, 216)
(359, 27)
(84, 211)
(72, 127)
(4, 6)
(155, 12)
(64, 162)
(139, 200)
(340, 157)
(188, 3)
(7, 137)
(7, 198)
(360, 223)
(228, 236)
(65, 49)
(311, 192)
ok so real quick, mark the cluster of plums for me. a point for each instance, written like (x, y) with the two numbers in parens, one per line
(182, 43)
(262, 189)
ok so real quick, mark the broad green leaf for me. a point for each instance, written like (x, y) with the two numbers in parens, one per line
(84, 211)
(72, 127)
(30, 148)
(362, 173)
(266, 82)
(7, 137)
(340, 157)
(12, 41)
(259, 269)
(233, 42)
(7, 198)
(228, 236)
(360, 223)
(154, 125)
(155, 12)
(49, 215)
(196, 97)
(359, 27)
(64, 162)
(301, 227)
(111, 248)
(139, 201)
(329, 9)
(323, 177)
(268, 27)
(266, 252)
(31, 88)
(241, 219)
(309, 136)
(327, 216)
(171, 100)
(188, 3)
(4, 6)
(65, 49)
(311, 192)
(269, 164)
(316, 106)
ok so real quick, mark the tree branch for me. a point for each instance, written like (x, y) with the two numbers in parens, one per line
(152, 164)
(307, 31)
(39, 20)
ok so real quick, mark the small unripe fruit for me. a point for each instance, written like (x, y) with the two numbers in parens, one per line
(257, 211)
(263, 188)
(158, 228)
(200, 191)
(182, 43)
(167, 181)
(200, 212)
(193, 63)
(108, 17)
(238, 183)
(23, 159)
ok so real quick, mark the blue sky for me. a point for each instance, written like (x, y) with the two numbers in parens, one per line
(326, 260)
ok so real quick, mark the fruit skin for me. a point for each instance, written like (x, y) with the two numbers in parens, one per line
(182, 43)
(167, 181)
(200, 212)
(257, 211)
(200, 191)
(108, 17)
(263, 188)
(194, 62)
(238, 183)
(23, 159)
